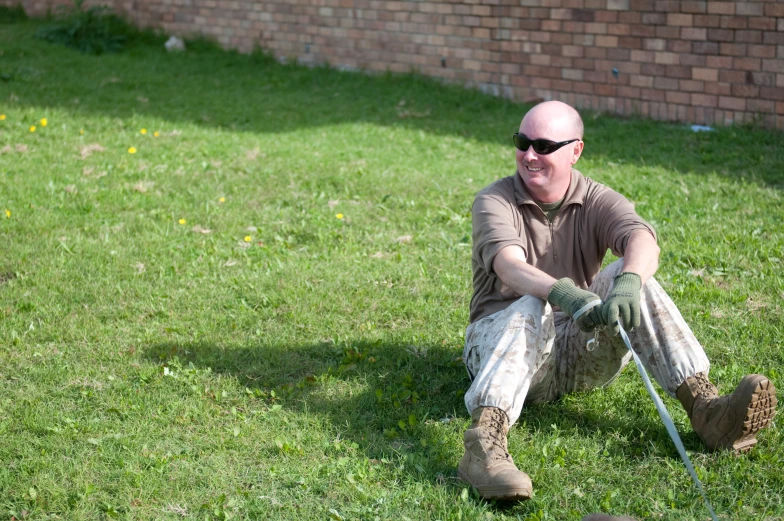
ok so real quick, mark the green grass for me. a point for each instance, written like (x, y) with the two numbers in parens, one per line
(150, 371)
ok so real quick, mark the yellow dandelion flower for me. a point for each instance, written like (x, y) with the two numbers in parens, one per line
(32, 128)
(339, 215)
(248, 238)
(81, 131)
(44, 122)
(156, 133)
(132, 150)
(222, 200)
(2, 117)
(8, 213)
(143, 131)
(182, 221)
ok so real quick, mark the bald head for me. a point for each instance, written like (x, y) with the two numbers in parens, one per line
(552, 120)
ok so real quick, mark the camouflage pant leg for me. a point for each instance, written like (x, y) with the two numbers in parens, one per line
(664, 342)
(528, 353)
(508, 351)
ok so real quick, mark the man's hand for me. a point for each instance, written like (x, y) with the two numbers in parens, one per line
(623, 303)
(572, 299)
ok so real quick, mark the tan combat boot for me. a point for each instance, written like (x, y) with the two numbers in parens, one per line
(486, 464)
(731, 421)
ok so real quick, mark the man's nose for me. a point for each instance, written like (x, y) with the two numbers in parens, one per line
(530, 155)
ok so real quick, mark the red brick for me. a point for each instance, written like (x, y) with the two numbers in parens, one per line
(665, 58)
(596, 28)
(745, 91)
(747, 64)
(764, 79)
(773, 66)
(551, 25)
(680, 19)
(629, 42)
(642, 56)
(721, 35)
(652, 69)
(773, 93)
(732, 103)
(721, 7)
(668, 6)
(732, 49)
(774, 10)
(665, 83)
(706, 20)
(652, 94)
(693, 60)
(719, 62)
(669, 33)
(678, 97)
(694, 6)
(761, 51)
(609, 17)
(748, 36)
(619, 29)
(701, 74)
(654, 18)
(679, 46)
(678, 71)
(758, 105)
(774, 38)
(705, 48)
(732, 76)
(694, 33)
(642, 81)
(630, 17)
(704, 100)
(734, 22)
(692, 86)
(749, 8)
(762, 24)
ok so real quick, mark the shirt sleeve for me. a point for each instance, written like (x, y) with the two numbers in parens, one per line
(494, 228)
(617, 220)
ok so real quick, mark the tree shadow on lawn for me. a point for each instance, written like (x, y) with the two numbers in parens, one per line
(256, 94)
(393, 398)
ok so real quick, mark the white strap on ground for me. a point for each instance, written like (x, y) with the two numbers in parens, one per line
(665, 416)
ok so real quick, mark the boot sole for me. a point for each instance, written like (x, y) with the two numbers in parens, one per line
(499, 494)
(760, 411)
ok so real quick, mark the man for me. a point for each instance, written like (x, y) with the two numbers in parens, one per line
(539, 238)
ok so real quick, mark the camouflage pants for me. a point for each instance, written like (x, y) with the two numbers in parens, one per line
(529, 353)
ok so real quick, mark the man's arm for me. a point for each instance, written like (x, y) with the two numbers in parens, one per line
(641, 255)
(510, 266)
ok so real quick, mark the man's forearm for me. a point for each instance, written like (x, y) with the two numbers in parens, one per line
(641, 255)
(510, 266)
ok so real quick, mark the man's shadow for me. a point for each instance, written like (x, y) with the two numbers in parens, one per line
(399, 401)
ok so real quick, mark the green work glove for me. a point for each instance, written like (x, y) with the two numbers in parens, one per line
(623, 303)
(572, 299)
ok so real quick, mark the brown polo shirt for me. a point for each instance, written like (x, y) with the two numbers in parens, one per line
(592, 219)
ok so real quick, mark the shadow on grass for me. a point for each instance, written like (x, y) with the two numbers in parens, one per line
(256, 94)
(394, 398)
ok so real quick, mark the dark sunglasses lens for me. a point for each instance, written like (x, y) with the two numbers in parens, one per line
(521, 142)
(542, 146)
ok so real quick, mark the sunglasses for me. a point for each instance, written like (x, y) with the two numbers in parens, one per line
(541, 146)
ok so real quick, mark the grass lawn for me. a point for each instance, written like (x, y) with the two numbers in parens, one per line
(259, 314)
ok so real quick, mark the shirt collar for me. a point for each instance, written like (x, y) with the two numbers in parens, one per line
(574, 195)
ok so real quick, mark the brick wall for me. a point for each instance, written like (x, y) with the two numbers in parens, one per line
(698, 61)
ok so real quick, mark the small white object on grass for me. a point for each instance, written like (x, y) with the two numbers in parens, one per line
(174, 44)
(701, 128)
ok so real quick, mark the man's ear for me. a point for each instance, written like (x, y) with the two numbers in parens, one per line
(577, 151)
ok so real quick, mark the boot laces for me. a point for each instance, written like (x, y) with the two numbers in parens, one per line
(705, 389)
